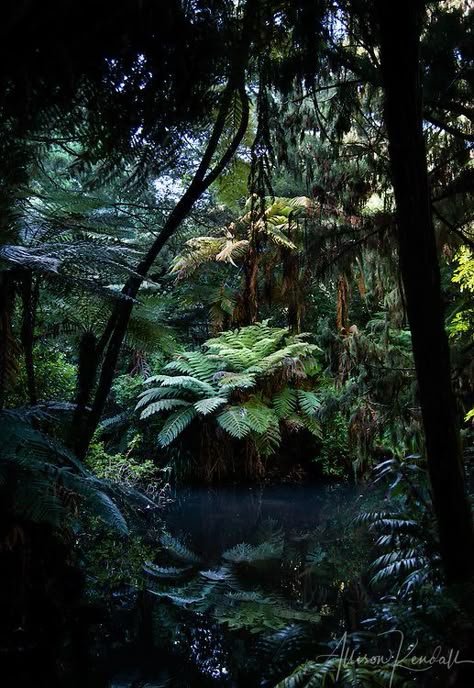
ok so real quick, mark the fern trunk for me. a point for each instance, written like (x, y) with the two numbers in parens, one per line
(400, 27)
(250, 295)
(292, 288)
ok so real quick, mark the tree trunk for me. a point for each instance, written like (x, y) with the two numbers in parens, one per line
(8, 348)
(250, 295)
(112, 340)
(29, 298)
(400, 25)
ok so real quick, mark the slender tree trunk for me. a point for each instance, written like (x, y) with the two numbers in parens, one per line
(27, 332)
(400, 25)
(8, 349)
(111, 342)
(109, 346)
(291, 280)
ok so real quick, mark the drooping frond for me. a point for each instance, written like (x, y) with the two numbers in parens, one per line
(175, 424)
(234, 421)
(46, 481)
(284, 402)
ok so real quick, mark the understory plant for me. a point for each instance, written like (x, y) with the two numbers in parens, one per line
(246, 389)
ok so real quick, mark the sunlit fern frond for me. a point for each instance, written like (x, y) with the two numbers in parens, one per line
(198, 251)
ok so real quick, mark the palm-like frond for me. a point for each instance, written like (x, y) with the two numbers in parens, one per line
(281, 215)
(175, 424)
(234, 421)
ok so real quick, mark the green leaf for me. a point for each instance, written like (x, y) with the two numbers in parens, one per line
(284, 402)
(162, 405)
(175, 425)
(234, 421)
(308, 401)
(207, 406)
(258, 416)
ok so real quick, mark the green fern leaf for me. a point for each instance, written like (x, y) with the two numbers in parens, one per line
(231, 381)
(308, 402)
(284, 402)
(162, 405)
(186, 382)
(175, 425)
(313, 426)
(207, 406)
(234, 421)
(178, 549)
(150, 395)
(258, 416)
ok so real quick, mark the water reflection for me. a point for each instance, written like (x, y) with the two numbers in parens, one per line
(250, 580)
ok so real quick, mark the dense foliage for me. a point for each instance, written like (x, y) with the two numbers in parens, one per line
(236, 247)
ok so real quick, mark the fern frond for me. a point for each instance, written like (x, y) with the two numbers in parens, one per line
(258, 415)
(232, 251)
(284, 402)
(308, 402)
(207, 406)
(178, 549)
(164, 572)
(175, 424)
(150, 395)
(231, 381)
(186, 382)
(162, 405)
(234, 421)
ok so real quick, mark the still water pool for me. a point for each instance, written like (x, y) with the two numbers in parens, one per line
(247, 583)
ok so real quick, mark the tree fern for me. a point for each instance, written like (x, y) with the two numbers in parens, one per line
(246, 381)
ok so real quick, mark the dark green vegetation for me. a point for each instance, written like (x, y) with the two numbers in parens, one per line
(236, 248)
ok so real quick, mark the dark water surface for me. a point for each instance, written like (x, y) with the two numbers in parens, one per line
(258, 588)
(216, 519)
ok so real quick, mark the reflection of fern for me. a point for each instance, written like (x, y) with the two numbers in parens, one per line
(249, 554)
(226, 592)
(178, 549)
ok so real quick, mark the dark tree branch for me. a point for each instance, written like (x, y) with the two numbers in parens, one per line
(114, 333)
(448, 128)
(453, 228)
